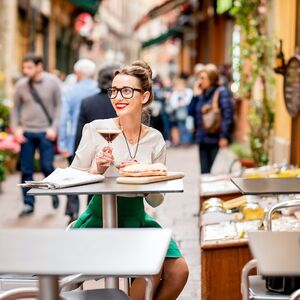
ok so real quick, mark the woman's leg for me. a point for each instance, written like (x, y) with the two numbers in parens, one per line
(138, 288)
(208, 154)
(174, 278)
(166, 286)
(204, 162)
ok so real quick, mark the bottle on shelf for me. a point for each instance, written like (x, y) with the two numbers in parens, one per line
(280, 62)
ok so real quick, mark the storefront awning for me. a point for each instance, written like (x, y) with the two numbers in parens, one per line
(90, 6)
(162, 38)
(160, 10)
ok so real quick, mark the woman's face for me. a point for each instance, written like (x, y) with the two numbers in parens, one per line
(204, 81)
(127, 96)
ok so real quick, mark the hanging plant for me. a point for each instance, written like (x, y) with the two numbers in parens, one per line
(257, 57)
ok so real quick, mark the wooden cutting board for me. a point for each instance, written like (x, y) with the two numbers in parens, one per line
(150, 179)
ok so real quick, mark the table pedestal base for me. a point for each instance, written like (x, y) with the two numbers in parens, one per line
(49, 287)
(109, 210)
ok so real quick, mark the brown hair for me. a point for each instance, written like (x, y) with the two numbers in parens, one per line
(212, 73)
(142, 71)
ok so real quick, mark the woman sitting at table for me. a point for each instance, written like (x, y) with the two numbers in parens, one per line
(130, 93)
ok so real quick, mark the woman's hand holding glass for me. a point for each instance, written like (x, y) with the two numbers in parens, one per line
(104, 158)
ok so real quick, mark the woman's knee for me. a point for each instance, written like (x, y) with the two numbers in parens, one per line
(138, 287)
(176, 270)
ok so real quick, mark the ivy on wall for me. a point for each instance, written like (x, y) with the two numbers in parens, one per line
(257, 81)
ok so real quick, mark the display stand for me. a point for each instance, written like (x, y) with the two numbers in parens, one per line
(221, 262)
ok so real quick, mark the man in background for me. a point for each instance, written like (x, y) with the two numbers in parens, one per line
(34, 120)
(85, 86)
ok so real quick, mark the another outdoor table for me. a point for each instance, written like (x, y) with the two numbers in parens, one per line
(109, 252)
(109, 189)
(264, 186)
(217, 186)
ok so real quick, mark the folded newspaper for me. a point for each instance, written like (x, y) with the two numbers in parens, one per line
(62, 178)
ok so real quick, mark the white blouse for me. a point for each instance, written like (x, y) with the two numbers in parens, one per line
(151, 149)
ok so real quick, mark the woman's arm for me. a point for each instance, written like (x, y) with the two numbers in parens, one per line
(226, 105)
(192, 106)
(157, 198)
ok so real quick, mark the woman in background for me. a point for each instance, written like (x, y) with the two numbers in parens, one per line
(209, 143)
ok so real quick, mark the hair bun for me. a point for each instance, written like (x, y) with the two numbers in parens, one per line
(144, 65)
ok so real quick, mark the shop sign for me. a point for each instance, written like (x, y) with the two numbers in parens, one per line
(291, 86)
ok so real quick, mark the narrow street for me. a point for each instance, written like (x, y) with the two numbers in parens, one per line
(177, 212)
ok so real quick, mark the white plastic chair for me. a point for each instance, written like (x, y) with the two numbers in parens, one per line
(100, 294)
(253, 287)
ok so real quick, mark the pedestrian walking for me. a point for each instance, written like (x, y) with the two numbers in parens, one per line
(34, 120)
(179, 101)
(85, 86)
(210, 141)
(130, 93)
(156, 105)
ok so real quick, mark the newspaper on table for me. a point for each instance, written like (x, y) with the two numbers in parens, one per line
(62, 178)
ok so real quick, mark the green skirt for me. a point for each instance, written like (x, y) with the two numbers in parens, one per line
(131, 214)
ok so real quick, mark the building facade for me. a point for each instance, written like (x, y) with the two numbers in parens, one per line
(45, 27)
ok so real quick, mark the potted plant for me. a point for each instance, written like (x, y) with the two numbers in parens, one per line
(243, 153)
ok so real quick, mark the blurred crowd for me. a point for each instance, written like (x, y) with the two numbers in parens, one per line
(172, 109)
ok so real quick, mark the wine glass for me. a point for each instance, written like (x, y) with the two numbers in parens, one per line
(109, 134)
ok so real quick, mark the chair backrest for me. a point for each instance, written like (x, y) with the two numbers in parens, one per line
(277, 253)
(20, 293)
(99, 294)
(70, 225)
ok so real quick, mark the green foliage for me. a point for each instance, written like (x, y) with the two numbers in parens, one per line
(2, 83)
(4, 116)
(242, 150)
(256, 69)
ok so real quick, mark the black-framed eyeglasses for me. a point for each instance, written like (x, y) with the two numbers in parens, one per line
(126, 92)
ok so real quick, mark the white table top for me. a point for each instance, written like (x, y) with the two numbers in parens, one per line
(216, 188)
(114, 252)
(110, 186)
